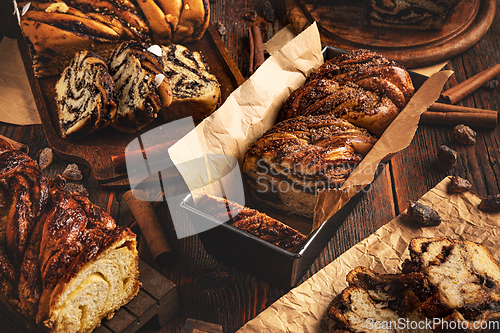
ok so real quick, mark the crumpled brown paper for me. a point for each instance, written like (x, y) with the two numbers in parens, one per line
(252, 109)
(303, 309)
(17, 105)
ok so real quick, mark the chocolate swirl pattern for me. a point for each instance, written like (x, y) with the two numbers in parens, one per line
(361, 86)
(142, 88)
(85, 96)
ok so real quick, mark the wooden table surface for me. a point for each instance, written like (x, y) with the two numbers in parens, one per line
(214, 292)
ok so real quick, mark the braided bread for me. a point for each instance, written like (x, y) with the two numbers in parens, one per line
(64, 264)
(361, 86)
(302, 155)
(57, 30)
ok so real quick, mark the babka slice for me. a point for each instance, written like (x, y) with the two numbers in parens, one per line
(85, 96)
(142, 88)
(251, 221)
(196, 91)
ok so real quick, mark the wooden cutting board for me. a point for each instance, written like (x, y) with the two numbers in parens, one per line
(342, 24)
(95, 150)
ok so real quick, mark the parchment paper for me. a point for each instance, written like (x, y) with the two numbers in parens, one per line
(17, 105)
(303, 309)
(252, 109)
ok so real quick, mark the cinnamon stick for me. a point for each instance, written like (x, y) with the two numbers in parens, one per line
(458, 92)
(259, 47)
(251, 50)
(16, 145)
(149, 224)
(119, 161)
(482, 119)
(441, 107)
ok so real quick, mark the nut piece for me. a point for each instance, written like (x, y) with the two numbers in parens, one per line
(446, 158)
(491, 204)
(72, 172)
(492, 84)
(45, 158)
(251, 15)
(422, 214)
(76, 188)
(458, 184)
(221, 29)
(465, 135)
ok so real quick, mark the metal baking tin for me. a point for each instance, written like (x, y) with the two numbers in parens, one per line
(264, 260)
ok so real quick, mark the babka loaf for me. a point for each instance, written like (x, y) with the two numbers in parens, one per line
(176, 21)
(251, 221)
(85, 96)
(361, 86)
(57, 30)
(196, 91)
(299, 156)
(409, 14)
(445, 280)
(142, 88)
(64, 263)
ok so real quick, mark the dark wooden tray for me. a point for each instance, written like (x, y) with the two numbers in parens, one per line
(95, 150)
(342, 24)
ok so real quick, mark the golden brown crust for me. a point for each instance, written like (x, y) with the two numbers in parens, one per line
(48, 238)
(362, 87)
(252, 221)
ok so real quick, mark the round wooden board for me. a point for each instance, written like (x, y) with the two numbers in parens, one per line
(342, 24)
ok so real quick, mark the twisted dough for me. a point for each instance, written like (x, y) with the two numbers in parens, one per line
(361, 86)
(304, 155)
(140, 96)
(64, 264)
(85, 96)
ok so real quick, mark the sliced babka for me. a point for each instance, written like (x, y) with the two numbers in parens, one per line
(142, 88)
(195, 90)
(85, 96)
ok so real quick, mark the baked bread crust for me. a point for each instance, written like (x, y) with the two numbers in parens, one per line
(64, 264)
(305, 154)
(361, 86)
(56, 31)
(85, 96)
(251, 221)
(140, 94)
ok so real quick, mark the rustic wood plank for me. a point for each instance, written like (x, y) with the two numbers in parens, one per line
(198, 326)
